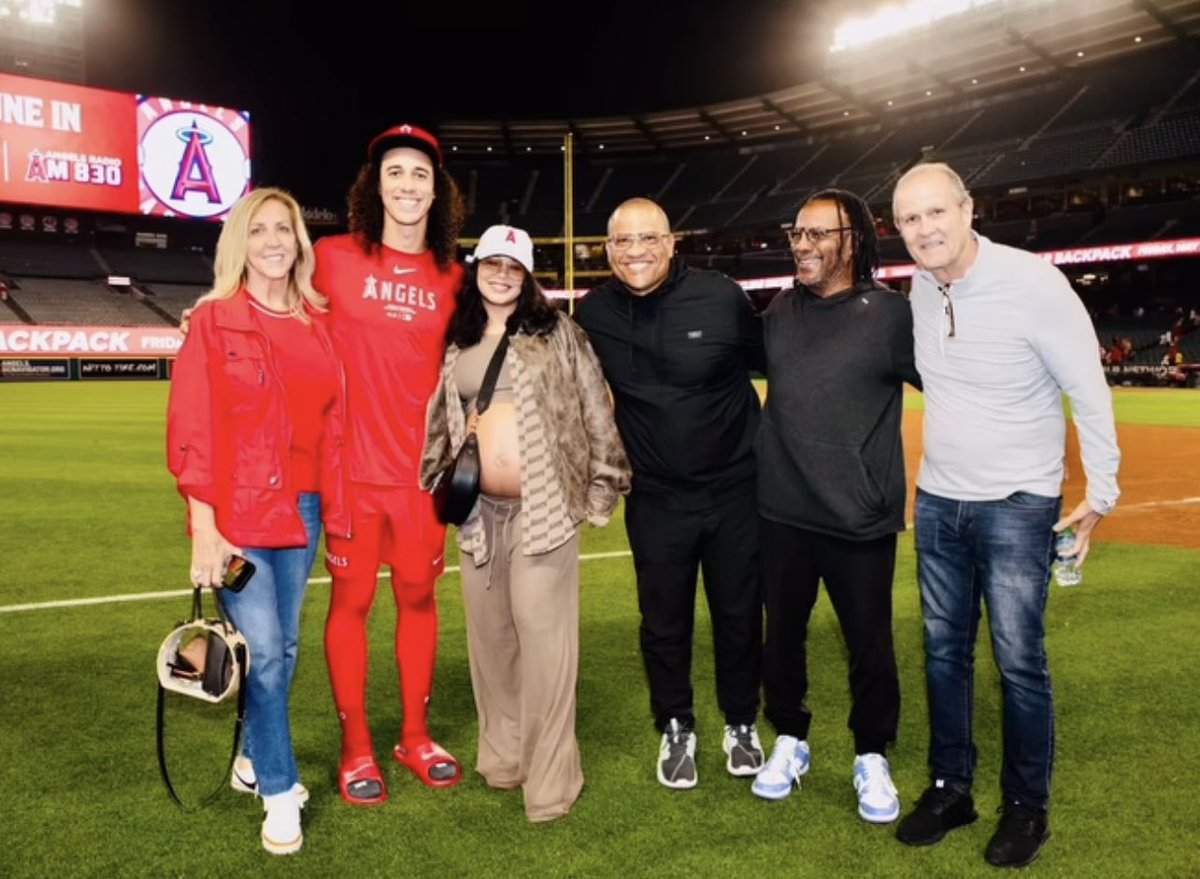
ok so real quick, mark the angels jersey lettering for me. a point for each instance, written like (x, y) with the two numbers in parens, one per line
(388, 314)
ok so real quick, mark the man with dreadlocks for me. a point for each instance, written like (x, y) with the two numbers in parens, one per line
(831, 488)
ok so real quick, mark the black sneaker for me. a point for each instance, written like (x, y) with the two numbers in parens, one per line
(677, 756)
(940, 809)
(1019, 837)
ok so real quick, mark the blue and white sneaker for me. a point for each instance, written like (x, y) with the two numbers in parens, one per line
(877, 798)
(788, 764)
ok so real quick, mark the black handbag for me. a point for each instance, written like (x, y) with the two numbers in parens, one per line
(457, 487)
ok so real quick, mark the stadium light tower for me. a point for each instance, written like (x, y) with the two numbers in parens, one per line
(43, 38)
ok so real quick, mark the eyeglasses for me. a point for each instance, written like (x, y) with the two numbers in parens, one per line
(646, 239)
(815, 235)
(494, 265)
(948, 307)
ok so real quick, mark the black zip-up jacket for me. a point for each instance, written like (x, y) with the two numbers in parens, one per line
(678, 361)
(830, 452)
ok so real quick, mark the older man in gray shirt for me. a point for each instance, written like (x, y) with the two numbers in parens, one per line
(1000, 336)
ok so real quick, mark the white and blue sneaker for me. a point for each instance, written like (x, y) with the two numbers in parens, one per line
(877, 798)
(788, 764)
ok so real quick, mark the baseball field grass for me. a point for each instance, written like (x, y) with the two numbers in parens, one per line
(93, 573)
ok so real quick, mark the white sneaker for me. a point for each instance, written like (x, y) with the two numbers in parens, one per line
(877, 799)
(788, 764)
(244, 780)
(281, 834)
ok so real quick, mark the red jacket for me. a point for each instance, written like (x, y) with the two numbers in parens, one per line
(228, 434)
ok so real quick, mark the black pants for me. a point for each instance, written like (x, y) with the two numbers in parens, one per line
(669, 546)
(858, 579)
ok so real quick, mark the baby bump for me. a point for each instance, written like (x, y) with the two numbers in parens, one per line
(499, 451)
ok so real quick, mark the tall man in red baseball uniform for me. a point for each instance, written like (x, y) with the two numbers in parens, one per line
(391, 283)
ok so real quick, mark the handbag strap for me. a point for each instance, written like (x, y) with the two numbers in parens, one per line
(239, 721)
(198, 608)
(484, 397)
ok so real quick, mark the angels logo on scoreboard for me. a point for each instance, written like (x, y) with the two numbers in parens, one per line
(195, 159)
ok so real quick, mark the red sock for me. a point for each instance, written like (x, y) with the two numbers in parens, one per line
(346, 654)
(416, 650)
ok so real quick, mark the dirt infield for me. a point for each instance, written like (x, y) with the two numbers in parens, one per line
(1159, 479)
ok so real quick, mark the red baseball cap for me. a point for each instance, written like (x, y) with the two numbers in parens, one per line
(405, 136)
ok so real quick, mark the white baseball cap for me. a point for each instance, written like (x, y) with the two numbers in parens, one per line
(506, 241)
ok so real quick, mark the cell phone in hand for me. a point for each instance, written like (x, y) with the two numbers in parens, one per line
(237, 573)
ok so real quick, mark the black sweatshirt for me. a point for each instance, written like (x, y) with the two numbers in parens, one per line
(830, 453)
(678, 361)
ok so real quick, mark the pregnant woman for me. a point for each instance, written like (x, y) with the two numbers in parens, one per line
(551, 458)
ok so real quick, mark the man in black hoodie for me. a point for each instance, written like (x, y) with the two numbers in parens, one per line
(677, 345)
(831, 488)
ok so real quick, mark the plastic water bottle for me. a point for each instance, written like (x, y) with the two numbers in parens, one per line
(1066, 571)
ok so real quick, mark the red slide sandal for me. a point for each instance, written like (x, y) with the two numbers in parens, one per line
(429, 762)
(360, 782)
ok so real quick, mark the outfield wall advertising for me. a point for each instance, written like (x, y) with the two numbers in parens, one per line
(23, 340)
(119, 368)
(37, 353)
(69, 146)
(51, 369)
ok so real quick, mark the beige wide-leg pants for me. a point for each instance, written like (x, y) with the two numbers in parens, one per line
(523, 645)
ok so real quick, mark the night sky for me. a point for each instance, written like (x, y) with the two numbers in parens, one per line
(319, 87)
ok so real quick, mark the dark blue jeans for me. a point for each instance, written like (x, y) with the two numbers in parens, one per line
(999, 551)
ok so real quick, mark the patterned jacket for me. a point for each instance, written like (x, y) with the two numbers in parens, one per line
(573, 465)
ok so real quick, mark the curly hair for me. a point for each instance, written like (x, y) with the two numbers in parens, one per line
(534, 314)
(862, 227)
(446, 216)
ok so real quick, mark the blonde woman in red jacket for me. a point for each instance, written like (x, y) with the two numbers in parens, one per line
(254, 438)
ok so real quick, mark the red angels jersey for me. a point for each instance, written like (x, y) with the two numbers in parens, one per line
(387, 317)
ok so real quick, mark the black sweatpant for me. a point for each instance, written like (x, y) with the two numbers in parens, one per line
(669, 546)
(858, 579)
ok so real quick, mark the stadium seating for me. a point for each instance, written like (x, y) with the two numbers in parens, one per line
(62, 301)
(67, 259)
(174, 298)
(150, 265)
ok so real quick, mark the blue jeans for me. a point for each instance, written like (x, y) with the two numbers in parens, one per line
(999, 551)
(267, 612)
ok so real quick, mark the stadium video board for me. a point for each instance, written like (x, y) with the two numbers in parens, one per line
(70, 146)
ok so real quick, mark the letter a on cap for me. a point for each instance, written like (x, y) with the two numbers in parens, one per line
(511, 237)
